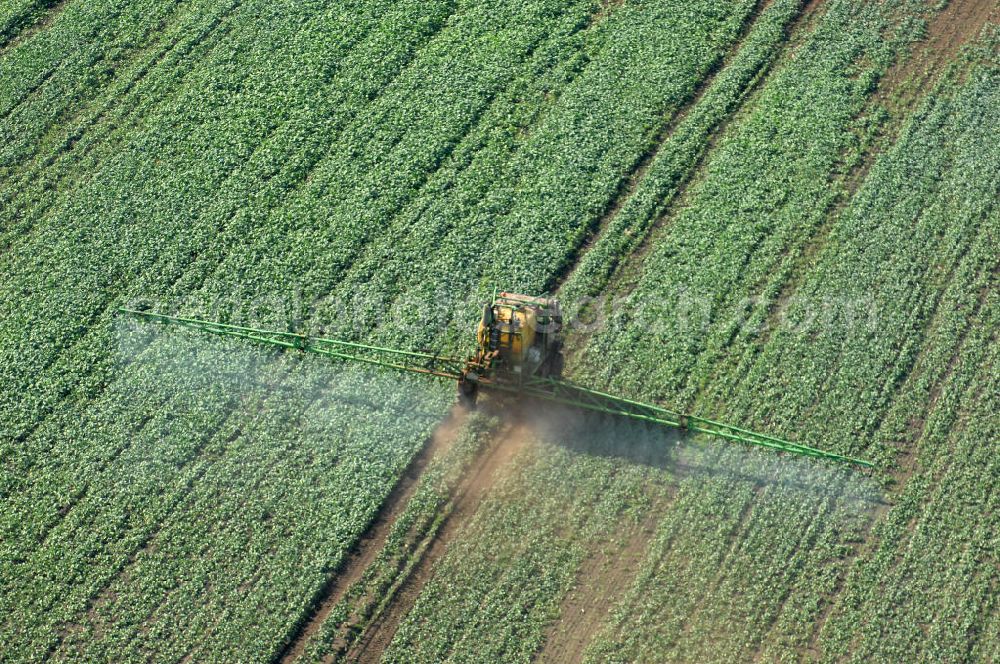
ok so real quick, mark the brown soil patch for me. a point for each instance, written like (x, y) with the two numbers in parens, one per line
(367, 548)
(507, 444)
(959, 23)
(602, 580)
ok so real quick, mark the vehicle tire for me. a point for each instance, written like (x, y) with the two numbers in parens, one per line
(467, 394)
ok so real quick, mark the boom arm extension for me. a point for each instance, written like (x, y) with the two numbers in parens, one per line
(582, 397)
(549, 389)
(403, 360)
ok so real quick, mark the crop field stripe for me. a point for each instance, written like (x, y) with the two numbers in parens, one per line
(795, 270)
(938, 357)
(122, 32)
(111, 457)
(356, 534)
(548, 136)
(917, 502)
(910, 352)
(208, 469)
(36, 192)
(663, 564)
(181, 504)
(418, 215)
(112, 304)
(475, 486)
(681, 628)
(129, 437)
(783, 565)
(449, 558)
(167, 503)
(119, 96)
(377, 544)
(733, 539)
(178, 277)
(148, 15)
(792, 571)
(952, 251)
(603, 578)
(186, 504)
(733, 78)
(91, 340)
(31, 124)
(943, 379)
(158, 100)
(676, 160)
(336, 170)
(84, 340)
(15, 17)
(754, 242)
(976, 290)
(21, 19)
(110, 572)
(724, 31)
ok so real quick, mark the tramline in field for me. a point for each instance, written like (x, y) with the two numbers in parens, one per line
(518, 351)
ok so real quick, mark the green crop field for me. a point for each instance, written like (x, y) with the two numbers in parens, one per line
(781, 214)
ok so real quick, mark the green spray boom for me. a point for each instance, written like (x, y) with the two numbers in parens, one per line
(504, 362)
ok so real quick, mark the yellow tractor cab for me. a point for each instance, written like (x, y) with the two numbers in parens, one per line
(517, 338)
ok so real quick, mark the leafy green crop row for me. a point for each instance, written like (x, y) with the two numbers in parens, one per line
(203, 182)
(412, 532)
(680, 152)
(17, 15)
(557, 175)
(51, 164)
(70, 470)
(935, 195)
(267, 161)
(62, 67)
(251, 179)
(743, 226)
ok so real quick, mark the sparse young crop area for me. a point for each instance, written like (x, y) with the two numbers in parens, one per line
(781, 214)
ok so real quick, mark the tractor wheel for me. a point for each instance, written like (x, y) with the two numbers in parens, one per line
(557, 367)
(467, 393)
(556, 361)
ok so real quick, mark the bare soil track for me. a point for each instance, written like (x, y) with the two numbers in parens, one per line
(492, 465)
(603, 578)
(959, 23)
(367, 548)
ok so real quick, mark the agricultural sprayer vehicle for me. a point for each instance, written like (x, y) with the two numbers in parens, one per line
(518, 351)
